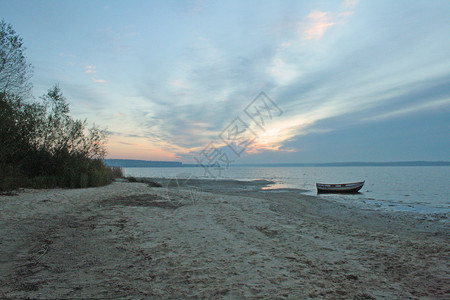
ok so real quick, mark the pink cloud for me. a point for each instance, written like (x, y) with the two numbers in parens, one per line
(98, 80)
(89, 69)
(318, 23)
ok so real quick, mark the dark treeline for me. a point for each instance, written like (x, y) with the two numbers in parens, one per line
(41, 145)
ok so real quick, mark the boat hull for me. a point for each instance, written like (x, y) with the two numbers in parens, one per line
(347, 188)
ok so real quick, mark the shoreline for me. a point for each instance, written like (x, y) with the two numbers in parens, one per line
(262, 185)
(228, 239)
(422, 190)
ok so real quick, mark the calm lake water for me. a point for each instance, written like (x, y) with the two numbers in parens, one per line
(419, 189)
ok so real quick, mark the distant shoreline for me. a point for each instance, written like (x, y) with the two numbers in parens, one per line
(130, 163)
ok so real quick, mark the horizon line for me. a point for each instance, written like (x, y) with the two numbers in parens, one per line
(349, 163)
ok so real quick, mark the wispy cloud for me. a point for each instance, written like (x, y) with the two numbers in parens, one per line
(98, 80)
(178, 84)
(319, 68)
(350, 3)
(89, 69)
(217, 85)
(420, 107)
(282, 72)
(318, 22)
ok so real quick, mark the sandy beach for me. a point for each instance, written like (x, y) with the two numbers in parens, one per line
(226, 240)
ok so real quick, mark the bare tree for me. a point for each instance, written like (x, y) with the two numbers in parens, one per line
(15, 72)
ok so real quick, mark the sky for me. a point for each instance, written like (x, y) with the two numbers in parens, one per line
(248, 81)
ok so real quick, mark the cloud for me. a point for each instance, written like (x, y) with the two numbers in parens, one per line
(128, 144)
(122, 134)
(432, 94)
(348, 4)
(89, 69)
(318, 22)
(98, 80)
(421, 107)
(374, 81)
(373, 103)
(211, 88)
(219, 86)
(178, 83)
(282, 72)
(86, 97)
(322, 85)
(345, 14)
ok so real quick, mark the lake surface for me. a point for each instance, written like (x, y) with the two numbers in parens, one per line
(418, 189)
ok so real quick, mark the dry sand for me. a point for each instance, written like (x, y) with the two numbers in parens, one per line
(225, 240)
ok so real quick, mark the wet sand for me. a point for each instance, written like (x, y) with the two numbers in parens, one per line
(209, 239)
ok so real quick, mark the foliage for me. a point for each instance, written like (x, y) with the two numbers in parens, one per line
(117, 172)
(58, 133)
(41, 145)
(14, 69)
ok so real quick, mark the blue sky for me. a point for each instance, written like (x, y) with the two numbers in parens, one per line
(355, 80)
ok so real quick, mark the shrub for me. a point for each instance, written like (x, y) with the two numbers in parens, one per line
(132, 179)
(43, 182)
(116, 172)
(42, 146)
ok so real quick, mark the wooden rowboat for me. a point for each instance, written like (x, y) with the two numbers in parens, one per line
(353, 187)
